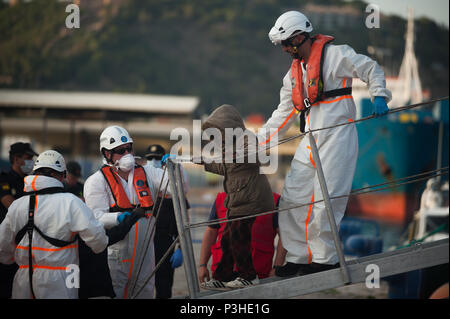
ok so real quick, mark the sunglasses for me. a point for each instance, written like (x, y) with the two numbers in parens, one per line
(288, 41)
(122, 150)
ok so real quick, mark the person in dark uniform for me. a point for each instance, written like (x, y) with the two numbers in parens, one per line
(11, 188)
(72, 182)
(165, 233)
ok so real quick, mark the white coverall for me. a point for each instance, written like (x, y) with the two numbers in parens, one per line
(305, 231)
(122, 256)
(60, 216)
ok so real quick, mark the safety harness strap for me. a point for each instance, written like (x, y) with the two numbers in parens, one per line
(30, 226)
(337, 92)
(325, 95)
(45, 191)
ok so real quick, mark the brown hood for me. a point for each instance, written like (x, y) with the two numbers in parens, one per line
(225, 116)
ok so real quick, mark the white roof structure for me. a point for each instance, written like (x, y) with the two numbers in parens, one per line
(146, 103)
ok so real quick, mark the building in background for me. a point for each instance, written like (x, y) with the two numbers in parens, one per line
(71, 122)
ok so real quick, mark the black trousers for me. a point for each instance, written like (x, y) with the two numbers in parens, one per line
(7, 273)
(165, 234)
(164, 275)
(236, 251)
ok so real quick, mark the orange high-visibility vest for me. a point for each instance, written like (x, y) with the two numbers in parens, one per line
(121, 201)
(313, 76)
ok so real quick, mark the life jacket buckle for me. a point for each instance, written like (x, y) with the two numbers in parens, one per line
(307, 103)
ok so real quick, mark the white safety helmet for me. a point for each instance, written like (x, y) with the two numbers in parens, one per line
(287, 25)
(51, 159)
(114, 136)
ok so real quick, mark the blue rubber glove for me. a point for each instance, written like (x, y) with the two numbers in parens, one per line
(380, 106)
(122, 216)
(165, 157)
(177, 258)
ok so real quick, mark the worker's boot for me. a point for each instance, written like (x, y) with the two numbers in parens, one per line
(315, 267)
(290, 269)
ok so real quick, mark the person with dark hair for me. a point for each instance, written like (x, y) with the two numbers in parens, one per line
(72, 182)
(11, 182)
(11, 187)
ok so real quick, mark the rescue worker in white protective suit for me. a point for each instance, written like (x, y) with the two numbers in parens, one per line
(113, 192)
(58, 218)
(318, 86)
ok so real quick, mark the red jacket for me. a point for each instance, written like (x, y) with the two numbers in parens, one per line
(263, 236)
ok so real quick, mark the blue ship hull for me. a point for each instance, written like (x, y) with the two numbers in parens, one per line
(392, 147)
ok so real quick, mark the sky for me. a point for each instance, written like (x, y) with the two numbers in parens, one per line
(436, 10)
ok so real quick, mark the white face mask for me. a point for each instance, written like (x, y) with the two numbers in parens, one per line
(27, 167)
(125, 163)
(156, 163)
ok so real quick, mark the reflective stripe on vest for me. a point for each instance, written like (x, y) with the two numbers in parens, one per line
(263, 235)
(313, 76)
(121, 201)
(43, 267)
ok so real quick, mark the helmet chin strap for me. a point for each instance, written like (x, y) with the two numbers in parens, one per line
(295, 48)
(108, 160)
(295, 53)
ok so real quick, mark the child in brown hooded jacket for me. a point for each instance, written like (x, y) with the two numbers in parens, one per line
(248, 193)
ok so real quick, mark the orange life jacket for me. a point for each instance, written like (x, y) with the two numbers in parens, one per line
(313, 76)
(121, 201)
